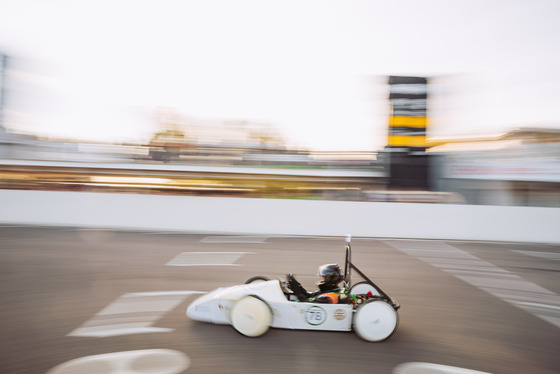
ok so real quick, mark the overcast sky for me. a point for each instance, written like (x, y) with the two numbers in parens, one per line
(315, 69)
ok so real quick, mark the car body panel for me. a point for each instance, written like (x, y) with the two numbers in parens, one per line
(215, 307)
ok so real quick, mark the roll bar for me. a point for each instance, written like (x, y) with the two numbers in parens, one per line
(349, 266)
(347, 261)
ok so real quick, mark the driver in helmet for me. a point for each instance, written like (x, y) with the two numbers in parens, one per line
(329, 292)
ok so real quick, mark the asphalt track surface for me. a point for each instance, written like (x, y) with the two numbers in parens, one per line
(71, 293)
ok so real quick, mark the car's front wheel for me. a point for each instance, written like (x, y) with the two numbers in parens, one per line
(363, 288)
(375, 320)
(250, 316)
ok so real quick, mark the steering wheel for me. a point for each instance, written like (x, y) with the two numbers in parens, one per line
(297, 288)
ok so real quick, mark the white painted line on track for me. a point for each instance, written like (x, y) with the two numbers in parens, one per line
(165, 293)
(487, 277)
(537, 305)
(429, 368)
(161, 361)
(545, 255)
(117, 330)
(133, 313)
(235, 239)
(207, 259)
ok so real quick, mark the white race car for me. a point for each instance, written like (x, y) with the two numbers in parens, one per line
(252, 308)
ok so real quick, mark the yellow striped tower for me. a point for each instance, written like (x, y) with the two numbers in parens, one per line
(406, 141)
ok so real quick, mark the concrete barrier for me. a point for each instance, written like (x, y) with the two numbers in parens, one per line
(279, 217)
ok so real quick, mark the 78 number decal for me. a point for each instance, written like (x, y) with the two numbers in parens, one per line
(315, 315)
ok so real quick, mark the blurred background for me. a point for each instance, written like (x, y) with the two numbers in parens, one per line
(404, 101)
(447, 103)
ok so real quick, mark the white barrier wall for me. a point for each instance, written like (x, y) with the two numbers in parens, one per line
(279, 217)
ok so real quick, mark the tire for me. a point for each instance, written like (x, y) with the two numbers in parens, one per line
(250, 316)
(258, 278)
(362, 288)
(375, 321)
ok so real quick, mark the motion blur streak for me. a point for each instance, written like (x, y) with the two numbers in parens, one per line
(207, 259)
(160, 361)
(429, 368)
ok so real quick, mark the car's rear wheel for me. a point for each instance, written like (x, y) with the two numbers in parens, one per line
(250, 316)
(375, 320)
(258, 278)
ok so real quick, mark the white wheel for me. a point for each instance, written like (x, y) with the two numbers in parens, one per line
(375, 321)
(363, 288)
(251, 316)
